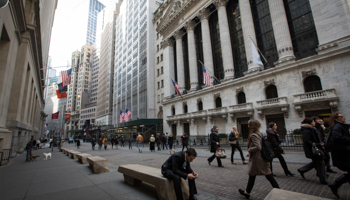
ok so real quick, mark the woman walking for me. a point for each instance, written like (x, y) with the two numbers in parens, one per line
(105, 142)
(215, 144)
(93, 143)
(158, 140)
(170, 143)
(112, 141)
(116, 141)
(151, 145)
(100, 143)
(310, 138)
(339, 138)
(184, 141)
(233, 140)
(78, 143)
(257, 165)
(274, 140)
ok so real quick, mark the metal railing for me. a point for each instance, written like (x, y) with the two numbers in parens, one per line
(5, 155)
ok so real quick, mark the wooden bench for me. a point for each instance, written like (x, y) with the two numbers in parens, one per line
(73, 154)
(279, 194)
(134, 174)
(82, 157)
(98, 164)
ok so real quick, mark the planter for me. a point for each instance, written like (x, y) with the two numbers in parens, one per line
(298, 139)
(223, 141)
(240, 140)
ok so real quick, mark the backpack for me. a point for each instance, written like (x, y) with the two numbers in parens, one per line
(266, 151)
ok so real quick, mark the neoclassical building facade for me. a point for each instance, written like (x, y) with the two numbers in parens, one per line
(305, 50)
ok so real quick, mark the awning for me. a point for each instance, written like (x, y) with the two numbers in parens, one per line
(75, 131)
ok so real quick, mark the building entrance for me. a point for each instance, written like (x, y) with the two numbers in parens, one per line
(187, 128)
(242, 127)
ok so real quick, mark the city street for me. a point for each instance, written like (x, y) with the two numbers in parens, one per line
(65, 178)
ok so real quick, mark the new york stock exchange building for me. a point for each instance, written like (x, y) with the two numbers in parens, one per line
(305, 50)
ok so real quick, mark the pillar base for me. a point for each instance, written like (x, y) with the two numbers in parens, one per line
(284, 60)
(253, 70)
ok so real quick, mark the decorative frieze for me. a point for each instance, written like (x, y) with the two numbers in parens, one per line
(190, 25)
(269, 82)
(308, 72)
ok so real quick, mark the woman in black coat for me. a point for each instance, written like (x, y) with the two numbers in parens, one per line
(184, 141)
(214, 144)
(339, 139)
(274, 140)
(310, 137)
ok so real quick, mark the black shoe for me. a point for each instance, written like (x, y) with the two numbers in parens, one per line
(301, 174)
(244, 194)
(334, 189)
(331, 170)
(290, 174)
(273, 174)
(193, 198)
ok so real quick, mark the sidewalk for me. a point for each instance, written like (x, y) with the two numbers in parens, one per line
(65, 178)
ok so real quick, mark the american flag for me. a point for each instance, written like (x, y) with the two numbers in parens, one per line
(46, 125)
(177, 89)
(126, 115)
(121, 117)
(206, 77)
(66, 77)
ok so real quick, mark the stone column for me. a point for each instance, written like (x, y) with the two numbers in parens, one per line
(281, 30)
(179, 60)
(168, 53)
(207, 50)
(248, 30)
(192, 56)
(225, 39)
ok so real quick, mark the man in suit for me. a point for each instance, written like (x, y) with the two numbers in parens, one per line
(177, 166)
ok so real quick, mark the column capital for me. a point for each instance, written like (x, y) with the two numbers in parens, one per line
(219, 3)
(203, 14)
(190, 25)
(178, 34)
(168, 42)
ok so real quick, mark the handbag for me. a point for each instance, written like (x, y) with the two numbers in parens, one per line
(220, 153)
(233, 142)
(316, 152)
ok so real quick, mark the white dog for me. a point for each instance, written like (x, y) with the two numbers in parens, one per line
(47, 155)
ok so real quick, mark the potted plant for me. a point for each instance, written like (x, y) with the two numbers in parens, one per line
(223, 138)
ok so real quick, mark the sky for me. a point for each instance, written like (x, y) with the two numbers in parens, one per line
(68, 31)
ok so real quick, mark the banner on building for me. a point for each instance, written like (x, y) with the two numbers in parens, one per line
(55, 115)
(61, 95)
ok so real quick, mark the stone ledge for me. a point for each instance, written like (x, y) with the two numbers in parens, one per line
(279, 194)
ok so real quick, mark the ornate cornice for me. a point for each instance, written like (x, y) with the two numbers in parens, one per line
(178, 34)
(218, 3)
(168, 42)
(203, 14)
(190, 25)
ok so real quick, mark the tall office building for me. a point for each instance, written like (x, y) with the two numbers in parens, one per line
(94, 8)
(94, 73)
(134, 61)
(50, 76)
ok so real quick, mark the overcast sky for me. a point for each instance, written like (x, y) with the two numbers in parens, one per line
(68, 31)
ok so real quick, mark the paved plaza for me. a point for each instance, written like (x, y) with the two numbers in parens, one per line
(65, 178)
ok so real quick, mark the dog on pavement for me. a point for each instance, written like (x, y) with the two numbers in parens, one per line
(33, 157)
(47, 155)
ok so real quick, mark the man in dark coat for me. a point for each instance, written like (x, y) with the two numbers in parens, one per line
(29, 147)
(177, 166)
(214, 145)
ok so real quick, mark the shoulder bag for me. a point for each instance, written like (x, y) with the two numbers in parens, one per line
(316, 152)
(220, 153)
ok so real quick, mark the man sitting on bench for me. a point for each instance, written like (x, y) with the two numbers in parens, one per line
(177, 166)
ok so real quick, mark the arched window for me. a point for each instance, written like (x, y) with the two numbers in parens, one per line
(200, 106)
(271, 92)
(312, 83)
(241, 98)
(218, 102)
(185, 108)
(173, 110)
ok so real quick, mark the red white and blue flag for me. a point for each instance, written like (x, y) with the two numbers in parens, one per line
(126, 115)
(121, 117)
(206, 77)
(177, 89)
(66, 77)
(46, 125)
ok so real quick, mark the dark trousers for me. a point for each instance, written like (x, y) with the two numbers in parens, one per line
(177, 183)
(234, 147)
(283, 163)
(130, 145)
(269, 177)
(211, 158)
(122, 144)
(183, 147)
(164, 144)
(327, 159)
(320, 167)
(29, 153)
(93, 147)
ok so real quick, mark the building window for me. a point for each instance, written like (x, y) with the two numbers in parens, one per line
(271, 92)
(241, 98)
(161, 57)
(157, 47)
(312, 83)
(200, 105)
(162, 83)
(218, 102)
(161, 70)
(157, 59)
(199, 51)
(264, 31)
(216, 46)
(186, 63)
(302, 28)
(173, 110)
(157, 72)
(185, 109)
(158, 85)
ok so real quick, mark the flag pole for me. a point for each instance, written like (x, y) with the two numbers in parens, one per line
(259, 51)
(209, 72)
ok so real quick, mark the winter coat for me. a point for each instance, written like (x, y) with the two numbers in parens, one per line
(93, 142)
(214, 138)
(309, 137)
(100, 142)
(170, 140)
(112, 141)
(341, 146)
(105, 141)
(184, 141)
(139, 139)
(164, 139)
(158, 140)
(232, 137)
(152, 139)
(257, 165)
(78, 142)
(274, 140)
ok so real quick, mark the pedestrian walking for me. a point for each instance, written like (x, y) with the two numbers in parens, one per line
(38, 144)
(29, 147)
(34, 144)
(184, 140)
(139, 140)
(275, 141)
(233, 140)
(105, 142)
(152, 141)
(170, 142)
(130, 141)
(257, 165)
(122, 140)
(78, 143)
(93, 143)
(214, 145)
(158, 141)
(339, 139)
(112, 141)
(164, 141)
(100, 143)
(116, 141)
(310, 138)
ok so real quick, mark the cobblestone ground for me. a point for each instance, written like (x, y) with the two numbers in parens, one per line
(223, 183)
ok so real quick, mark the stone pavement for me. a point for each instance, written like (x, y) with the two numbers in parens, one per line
(65, 178)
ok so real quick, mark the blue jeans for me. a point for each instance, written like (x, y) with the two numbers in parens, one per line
(29, 153)
(139, 146)
(166, 146)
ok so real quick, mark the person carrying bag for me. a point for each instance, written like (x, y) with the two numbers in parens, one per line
(233, 140)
